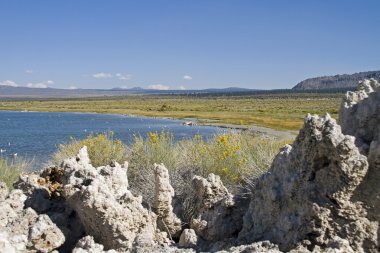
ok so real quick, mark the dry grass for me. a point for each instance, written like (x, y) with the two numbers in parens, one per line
(11, 169)
(279, 111)
(237, 157)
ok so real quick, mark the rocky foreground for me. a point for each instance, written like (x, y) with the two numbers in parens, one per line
(321, 194)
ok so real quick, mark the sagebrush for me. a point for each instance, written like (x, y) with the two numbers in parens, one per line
(237, 157)
(102, 149)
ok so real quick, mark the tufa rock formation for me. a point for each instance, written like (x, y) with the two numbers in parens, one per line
(107, 209)
(360, 117)
(166, 221)
(306, 196)
(22, 229)
(44, 195)
(87, 244)
(217, 215)
(188, 239)
(320, 195)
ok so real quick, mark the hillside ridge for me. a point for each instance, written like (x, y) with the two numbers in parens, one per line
(336, 81)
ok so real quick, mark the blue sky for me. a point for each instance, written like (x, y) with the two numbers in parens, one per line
(184, 44)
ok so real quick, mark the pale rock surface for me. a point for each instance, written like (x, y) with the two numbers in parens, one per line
(306, 195)
(257, 247)
(166, 220)
(88, 245)
(218, 213)
(188, 239)
(45, 235)
(360, 117)
(44, 195)
(23, 230)
(359, 114)
(107, 209)
(6, 245)
(336, 245)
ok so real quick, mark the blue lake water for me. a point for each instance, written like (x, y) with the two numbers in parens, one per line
(36, 135)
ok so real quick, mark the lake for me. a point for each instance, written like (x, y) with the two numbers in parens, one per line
(36, 135)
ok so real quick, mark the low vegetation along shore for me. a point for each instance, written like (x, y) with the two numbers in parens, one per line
(237, 157)
(277, 111)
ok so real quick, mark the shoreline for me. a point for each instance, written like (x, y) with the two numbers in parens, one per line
(270, 132)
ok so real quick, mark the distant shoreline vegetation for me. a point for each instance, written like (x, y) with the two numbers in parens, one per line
(23, 93)
(280, 111)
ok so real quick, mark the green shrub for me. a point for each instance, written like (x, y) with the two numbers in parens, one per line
(144, 152)
(234, 156)
(237, 157)
(102, 149)
(11, 169)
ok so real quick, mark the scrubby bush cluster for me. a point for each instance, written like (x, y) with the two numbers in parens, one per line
(102, 149)
(237, 157)
(10, 170)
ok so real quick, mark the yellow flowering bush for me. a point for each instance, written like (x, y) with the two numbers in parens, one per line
(155, 148)
(222, 155)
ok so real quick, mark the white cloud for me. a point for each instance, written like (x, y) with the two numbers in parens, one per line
(72, 87)
(41, 85)
(124, 87)
(158, 87)
(187, 77)
(182, 88)
(102, 75)
(9, 83)
(29, 71)
(123, 77)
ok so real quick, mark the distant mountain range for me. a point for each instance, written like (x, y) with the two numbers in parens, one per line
(26, 92)
(336, 82)
(319, 84)
(21, 92)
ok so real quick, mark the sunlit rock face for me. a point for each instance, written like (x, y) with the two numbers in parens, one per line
(167, 221)
(22, 229)
(360, 117)
(107, 209)
(307, 194)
